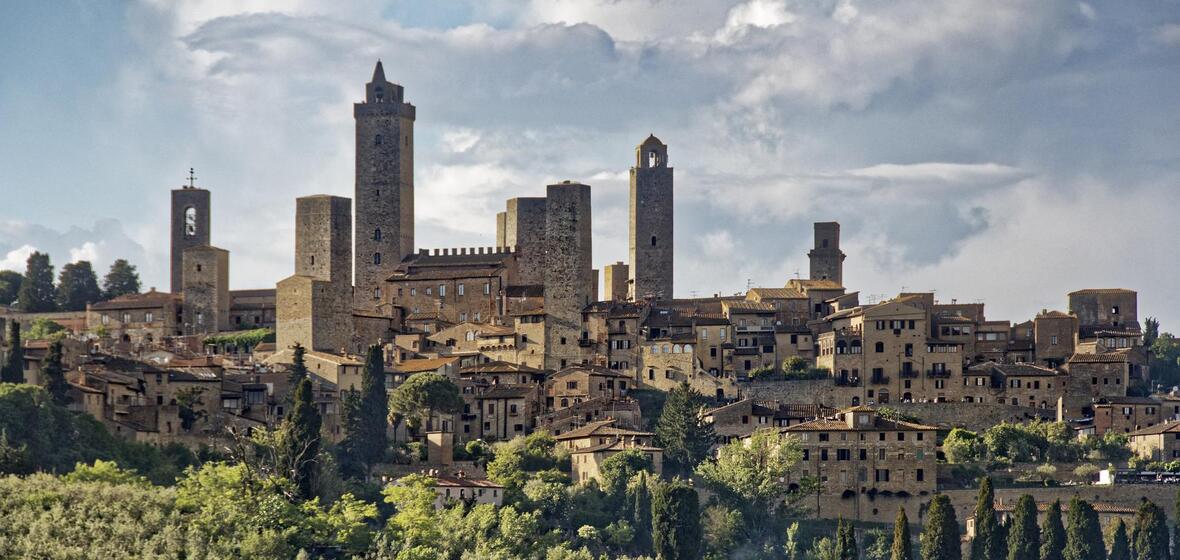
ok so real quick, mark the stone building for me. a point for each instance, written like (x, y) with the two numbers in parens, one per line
(577, 384)
(206, 290)
(1159, 442)
(384, 186)
(1104, 309)
(252, 309)
(586, 462)
(1055, 333)
(524, 230)
(568, 279)
(460, 284)
(314, 307)
(614, 279)
(651, 223)
(137, 318)
(1123, 415)
(190, 228)
(740, 419)
(826, 259)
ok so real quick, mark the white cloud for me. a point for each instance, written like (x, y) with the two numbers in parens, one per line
(17, 259)
(87, 252)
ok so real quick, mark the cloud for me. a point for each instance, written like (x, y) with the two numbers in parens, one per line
(17, 259)
(101, 244)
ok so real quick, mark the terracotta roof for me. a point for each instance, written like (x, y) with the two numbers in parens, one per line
(1099, 507)
(1053, 315)
(136, 301)
(600, 428)
(1096, 291)
(744, 306)
(818, 284)
(498, 366)
(775, 293)
(423, 316)
(594, 370)
(335, 358)
(1128, 400)
(1164, 428)
(1013, 370)
(507, 392)
(616, 445)
(424, 364)
(839, 424)
(1102, 358)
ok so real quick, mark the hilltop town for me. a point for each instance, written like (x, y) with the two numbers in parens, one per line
(475, 350)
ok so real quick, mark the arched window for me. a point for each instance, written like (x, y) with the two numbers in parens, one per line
(376, 258)
(667, 348)
(190, 222)
(377, 234)
(855, 346)
(653, 158)
(675, 348)
(653, 241)
(470, 335)
(879, 347)
(687, 348)
(840, 347)
(565, 403)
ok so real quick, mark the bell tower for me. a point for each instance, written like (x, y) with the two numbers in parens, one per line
(190, 226)
(651, 223)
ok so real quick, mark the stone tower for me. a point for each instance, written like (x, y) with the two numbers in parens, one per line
(384, 186)
(206, 290)
(614, 278)
(651, 222)
(190, 228)
(314, 307)
(567, 272)
(827, 260)
(524, 228)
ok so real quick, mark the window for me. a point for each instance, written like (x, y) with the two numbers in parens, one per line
(377, 234)
(413, 291)
(459, 289)
(571, 384)
(106, 319)
(190, 222)
(653, 243)
(377, 140)
(442, 290)
(879, 347)
(1053, 340)
(376, 258)
(487, 288)
(127, 317)
(149, 317)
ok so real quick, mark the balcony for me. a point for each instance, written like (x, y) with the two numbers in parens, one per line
(615, 331)
(585, 342)
(912, 374)
(847, 381)
(938, 373)
(878, 379)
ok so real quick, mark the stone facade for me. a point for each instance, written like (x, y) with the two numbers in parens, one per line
(206, 290)
(190, 228)
(524, 229)
(651, 223)
(1054, 335)
(568, 257)
(459, 284)
(384, 186)
(1105, 307)
(137, 318)
(614, 281)
(826, 258)
(1160, 442)
(314, 307)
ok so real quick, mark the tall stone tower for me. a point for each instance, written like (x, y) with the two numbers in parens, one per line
(568, 274)
(524, 228)
(206, 290)
(827, 260)
(190, 228)
(614, 278)
(314, 307)
(651, 222)
(384, 186)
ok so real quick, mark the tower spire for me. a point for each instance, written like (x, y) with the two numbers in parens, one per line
(378, 73)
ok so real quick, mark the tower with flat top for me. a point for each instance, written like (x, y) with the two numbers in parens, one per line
(651, 223)
(827, 260)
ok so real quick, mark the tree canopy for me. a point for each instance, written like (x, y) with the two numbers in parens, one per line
(681, 432)
(121, 279)
(37, 294)
(77, 286)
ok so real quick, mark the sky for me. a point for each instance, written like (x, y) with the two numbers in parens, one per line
(1007, 152)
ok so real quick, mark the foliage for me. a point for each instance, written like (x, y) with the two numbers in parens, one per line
(37, 294)
(77, 286)
(10, 282)
(106, 472)
(121, 279)
(422, 395)
(1083, 535)
(676, 522)
(188, 400)
(721, 530)
(1030, 442)
(755, 474)
(682, 433)
(301, 438)
(241, 339)
(55, 378)
(1024, 538)
(13, 370)
(940, 536)
(824, 548)
(902, 549)
(846, 548)
(1053, 534)
(298, 370)
(366, 419)
(524, 457)
(1120, 548)
(1112, 446)
(795, 364)
(962, 446)
(877, 544)
(1151, 533)
(42, 329)
(1165, 362)
(618, 470)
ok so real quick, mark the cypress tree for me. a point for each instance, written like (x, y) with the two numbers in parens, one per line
(36, 292)
(1151, 533)
(902, 549)
(1024, 539)
(988, 543)
(14, 367)
(77, 286)
(686, 439)
(298, 370)
(940, 538)
(302, 438)
(1120, 548)
(1053, 534)
(120, 280)
(366, 443)
(55, 378)
(639, 507)
(846, 540)
(676, 522)
(1083, 535)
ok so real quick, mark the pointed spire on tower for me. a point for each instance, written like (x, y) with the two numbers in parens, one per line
(378, 73)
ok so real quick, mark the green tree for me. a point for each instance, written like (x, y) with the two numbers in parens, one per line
(685, 437)
(36, 291)
(639, 508)
(10, 281)
(988, 543)
(618, 470)
(755, 475)
(367, 417)
(301, 439)
(14, 367)
(940, 537)
(298, 370)
(42, 329)
(962, 446)
(902, 549)
(1024, 538)
(1151, 331)
(1120, 548)
(422, 395)
(55, 378)
(846, 541)
(121, 279)
(676, 522)
(1053, 534)
(77, 286)
(1151, 533)
(1083, 535)
(795, 364)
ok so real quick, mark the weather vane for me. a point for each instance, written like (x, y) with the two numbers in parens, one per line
(192, 179)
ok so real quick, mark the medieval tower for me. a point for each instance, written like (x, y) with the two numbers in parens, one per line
(651, 222)
(827, 260)
(190, 228)
(384, 186)
(314, 307)
(567, 272)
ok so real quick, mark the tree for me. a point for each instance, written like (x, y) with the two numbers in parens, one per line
(1053, 534)
(1151, 533)
(422, 395)
(639, 508)
(962, 446)
(988, 543)
(795, 364)
(10, 281)
(1120, 548)
(298, 370)
(121, 279)
(846, 541)
(36, 291)
(77, 286)
(1151, 331)
(14, 367)
(1083, 535)
(301, 439)
(685, 437)
(42, 329)
(618, 469)
(55, 378)
(1024, 539)
(367, 416)
(1176, 529)
(940, 537)
(676, 522)
(902, 549)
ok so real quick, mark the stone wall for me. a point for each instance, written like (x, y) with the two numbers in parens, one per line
(524, 228)
(184, 237)
(651, 223)
(568, 257)
(206, 290)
